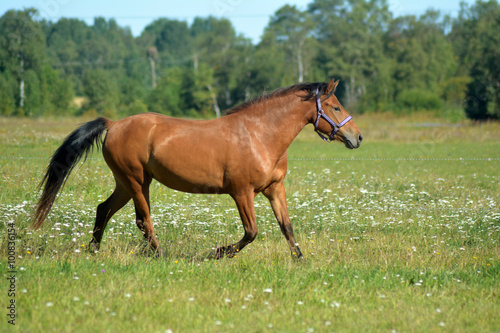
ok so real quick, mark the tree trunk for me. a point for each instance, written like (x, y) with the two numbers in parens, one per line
(299, 61)
(214, 101)
(195, 64)
(247, 93)
(153, 72)
(21, 85)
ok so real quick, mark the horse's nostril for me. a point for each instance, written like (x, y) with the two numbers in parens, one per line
(360, 138)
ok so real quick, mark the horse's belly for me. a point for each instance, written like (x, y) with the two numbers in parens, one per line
(188, 177)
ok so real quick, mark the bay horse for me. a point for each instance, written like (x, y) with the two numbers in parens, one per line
(242, 154)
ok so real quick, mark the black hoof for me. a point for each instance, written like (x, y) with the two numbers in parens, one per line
(296, 254)
(156, 253)
(93, 247)
(225, 251)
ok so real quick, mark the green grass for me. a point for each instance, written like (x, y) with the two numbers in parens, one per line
(399, 235)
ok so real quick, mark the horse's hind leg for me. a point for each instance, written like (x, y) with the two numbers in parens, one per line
(105, 211)
(143, 216)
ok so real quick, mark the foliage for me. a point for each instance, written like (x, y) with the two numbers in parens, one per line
(166, 97)
(198, 69)
(419, 100)
(7, 95)
(477, 44)
(101, 90)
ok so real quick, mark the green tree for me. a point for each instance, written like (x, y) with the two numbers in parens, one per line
(166, 98)
(199, 95)
(477, 43)
(64, 39)
(349, 35)
(217, 45)
(8, 89)
(101, 90)
(33, 101)
(56, 92)
(291, 29)
(22, 50)
(171, 38)
(267, 68)
(422, 60)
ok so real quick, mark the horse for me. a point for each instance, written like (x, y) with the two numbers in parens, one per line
(242, 153)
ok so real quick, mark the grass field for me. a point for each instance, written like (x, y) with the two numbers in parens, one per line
(401, 235)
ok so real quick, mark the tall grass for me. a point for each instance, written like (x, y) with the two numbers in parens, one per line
(399, 235)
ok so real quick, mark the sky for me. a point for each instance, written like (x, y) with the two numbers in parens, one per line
(248, 17)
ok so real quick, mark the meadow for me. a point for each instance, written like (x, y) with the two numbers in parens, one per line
(401, 235)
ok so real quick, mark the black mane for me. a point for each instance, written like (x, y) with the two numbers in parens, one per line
(308, 88)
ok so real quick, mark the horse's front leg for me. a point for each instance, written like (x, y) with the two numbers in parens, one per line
(245, 204)
(277, 197)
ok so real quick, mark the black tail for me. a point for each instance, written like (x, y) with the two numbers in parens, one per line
(77, 145)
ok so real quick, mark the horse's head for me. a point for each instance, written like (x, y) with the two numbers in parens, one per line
(333, 120)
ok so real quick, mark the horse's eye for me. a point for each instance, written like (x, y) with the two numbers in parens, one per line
(337, 108)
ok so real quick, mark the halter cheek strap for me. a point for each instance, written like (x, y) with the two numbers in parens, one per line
(322, 114)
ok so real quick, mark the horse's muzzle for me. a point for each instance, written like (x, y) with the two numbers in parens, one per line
(353, 145)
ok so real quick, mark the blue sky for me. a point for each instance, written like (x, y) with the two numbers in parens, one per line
(248, 17)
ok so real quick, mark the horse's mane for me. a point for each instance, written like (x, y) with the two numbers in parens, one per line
(308, 88)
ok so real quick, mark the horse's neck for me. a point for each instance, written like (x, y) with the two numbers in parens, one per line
(280, 120)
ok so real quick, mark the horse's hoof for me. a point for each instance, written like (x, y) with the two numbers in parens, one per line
(93, 247)
(297, 256)
(217, 254)
(156, 253)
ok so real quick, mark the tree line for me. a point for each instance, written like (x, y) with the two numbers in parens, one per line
(385, 62)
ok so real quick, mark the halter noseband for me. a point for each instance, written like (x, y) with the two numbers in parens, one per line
(322, 114)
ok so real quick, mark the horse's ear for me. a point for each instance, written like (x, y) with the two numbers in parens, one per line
(332, 86)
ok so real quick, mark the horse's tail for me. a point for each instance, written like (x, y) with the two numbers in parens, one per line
(76, 145)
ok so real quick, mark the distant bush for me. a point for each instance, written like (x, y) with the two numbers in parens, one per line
(451, 114)
(7, 96)
(417, 99)
(453, 90)
(136, 107)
